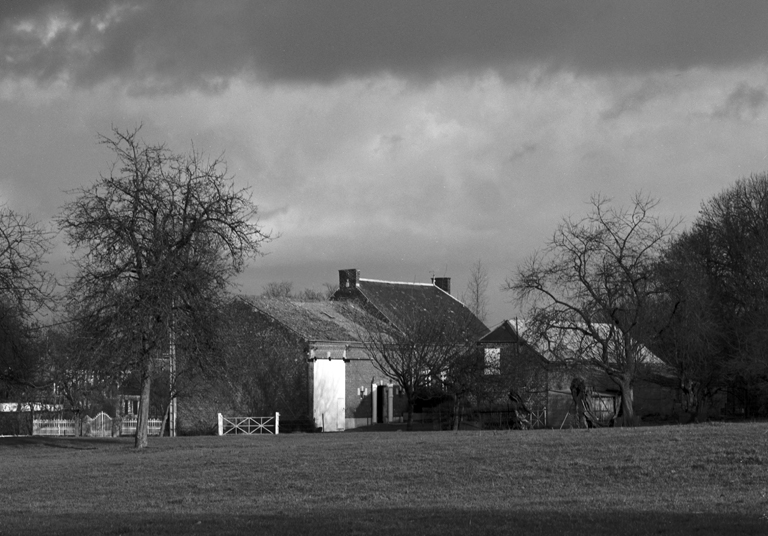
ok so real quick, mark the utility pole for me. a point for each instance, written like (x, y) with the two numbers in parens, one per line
(172, 379)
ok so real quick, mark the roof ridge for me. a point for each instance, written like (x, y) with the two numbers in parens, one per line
(396, 282)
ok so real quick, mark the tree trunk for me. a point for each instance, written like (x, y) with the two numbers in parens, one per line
(695, 414)
(78, 422)
(627, 403)
(456, 413)
(690, 398)
(117, 422)
(165, 418)
(142, 428)
(409, 423)
(697, 408)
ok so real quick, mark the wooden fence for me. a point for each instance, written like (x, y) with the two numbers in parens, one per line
(129, 426)
(249, 425)
(53, 427)
(98, 426)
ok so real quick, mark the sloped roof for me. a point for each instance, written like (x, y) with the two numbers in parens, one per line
(398, 300)
(504, 333)
(557, 342)
(316, 321)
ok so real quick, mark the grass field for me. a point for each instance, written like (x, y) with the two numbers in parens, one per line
(705, 479)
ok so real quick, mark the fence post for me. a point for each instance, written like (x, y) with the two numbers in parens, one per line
(277, 423)
(221, 424)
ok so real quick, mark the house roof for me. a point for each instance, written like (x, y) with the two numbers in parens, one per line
(315, 321)
(556, 343)
(397, 301)
(504, 333)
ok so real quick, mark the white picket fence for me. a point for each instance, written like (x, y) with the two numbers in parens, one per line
(249, 425)
(53, 427)
(98, 426)
(130, 423)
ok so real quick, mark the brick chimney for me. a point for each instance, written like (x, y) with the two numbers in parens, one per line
(443, 283)
(348, 279)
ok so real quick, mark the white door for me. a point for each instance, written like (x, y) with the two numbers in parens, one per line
(329, 394)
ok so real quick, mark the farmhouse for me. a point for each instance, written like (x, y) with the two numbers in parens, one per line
(345, 388)
(542, 376)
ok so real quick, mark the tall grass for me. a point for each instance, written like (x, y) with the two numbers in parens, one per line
(706, 479)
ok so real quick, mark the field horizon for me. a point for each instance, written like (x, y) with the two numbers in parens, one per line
(692, 479)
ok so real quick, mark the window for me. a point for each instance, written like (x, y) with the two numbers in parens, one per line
(493, 360)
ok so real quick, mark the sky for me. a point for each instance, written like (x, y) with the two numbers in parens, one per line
(405, 139)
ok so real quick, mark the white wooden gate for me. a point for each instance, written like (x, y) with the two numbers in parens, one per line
(249, 425)
(538, 417)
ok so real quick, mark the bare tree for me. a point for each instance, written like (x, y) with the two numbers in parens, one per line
(23, 244)
(471, 378)
(283, 289)
(159, 238)
(420, 350)
(329, 289)
(594, 285)
(25, 288)
(310, 294)
(475, 296)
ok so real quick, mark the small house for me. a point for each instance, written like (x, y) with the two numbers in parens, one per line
(542, 377)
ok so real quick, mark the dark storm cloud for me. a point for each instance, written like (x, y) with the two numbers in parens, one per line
(169, 44)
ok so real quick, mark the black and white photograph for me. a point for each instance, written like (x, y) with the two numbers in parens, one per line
(431, 267)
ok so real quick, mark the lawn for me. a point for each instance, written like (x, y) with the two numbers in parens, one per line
(704, 479)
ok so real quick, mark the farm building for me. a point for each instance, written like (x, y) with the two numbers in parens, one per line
(544, 380)
(345, 388)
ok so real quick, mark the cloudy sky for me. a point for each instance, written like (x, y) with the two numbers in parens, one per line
(401, 138)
